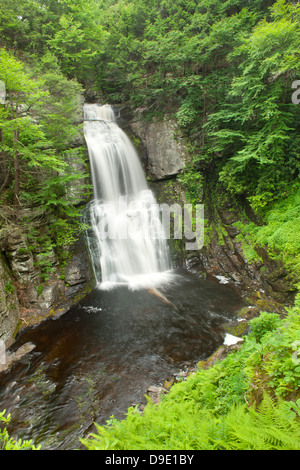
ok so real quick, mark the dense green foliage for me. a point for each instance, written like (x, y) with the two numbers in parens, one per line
(280, 232)
(236, 404)
(180, 425)
(226, 71)
(37, 123)
(39, 154)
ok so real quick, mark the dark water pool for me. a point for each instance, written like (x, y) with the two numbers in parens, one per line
(100, 357)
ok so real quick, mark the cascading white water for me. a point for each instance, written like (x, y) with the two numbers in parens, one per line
(127, 242)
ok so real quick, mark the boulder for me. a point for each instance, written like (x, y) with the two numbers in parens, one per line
(20, 258)
(156, 393)
(11, 358)
(51, 294)
(166, 153)
(78, 271)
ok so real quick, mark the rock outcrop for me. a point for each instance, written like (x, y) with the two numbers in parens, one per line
(166, 154)
(9, 304)
(222, 255)
(25, 293)
(10, 358)
(62, 290)
(20, 257)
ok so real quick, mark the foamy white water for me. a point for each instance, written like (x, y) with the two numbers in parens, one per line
(127, 243)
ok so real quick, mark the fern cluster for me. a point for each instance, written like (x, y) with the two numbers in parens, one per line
(184, 426)
(7, 442)
(275, 362)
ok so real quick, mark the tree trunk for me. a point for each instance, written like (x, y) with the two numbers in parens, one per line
(4, 170)
(16, 170)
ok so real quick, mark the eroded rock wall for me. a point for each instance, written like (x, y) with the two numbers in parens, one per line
(26, 296)
(166, 153)
(222, 255)
(9, 304)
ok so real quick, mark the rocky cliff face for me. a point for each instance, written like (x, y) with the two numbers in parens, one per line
(9, 304)
(27, 296)
(34, 281)
(265, 281)
(166, 154)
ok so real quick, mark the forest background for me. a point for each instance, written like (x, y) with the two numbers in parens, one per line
(229, 73)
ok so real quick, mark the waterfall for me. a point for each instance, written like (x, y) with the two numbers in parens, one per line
(127, 242)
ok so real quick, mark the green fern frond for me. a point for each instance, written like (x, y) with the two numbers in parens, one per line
(266, 428)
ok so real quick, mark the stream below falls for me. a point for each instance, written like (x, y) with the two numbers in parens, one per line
(100, 357)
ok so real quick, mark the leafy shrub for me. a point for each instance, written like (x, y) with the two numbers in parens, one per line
(274, 363)
(280, 233)
(263, 324)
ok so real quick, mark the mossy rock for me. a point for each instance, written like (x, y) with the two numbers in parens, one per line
(248, 312)
(238, 329)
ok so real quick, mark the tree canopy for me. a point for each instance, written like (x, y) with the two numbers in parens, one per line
(225, 70)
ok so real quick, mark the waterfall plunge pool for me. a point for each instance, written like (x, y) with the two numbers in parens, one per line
(101, 356)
